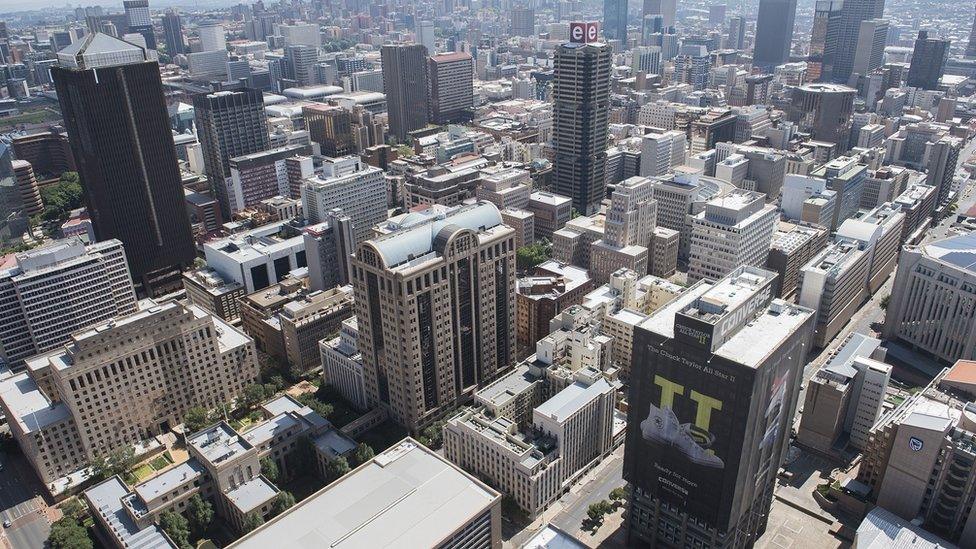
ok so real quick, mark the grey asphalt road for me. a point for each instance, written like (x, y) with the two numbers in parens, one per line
(20, 503)
(572, 515)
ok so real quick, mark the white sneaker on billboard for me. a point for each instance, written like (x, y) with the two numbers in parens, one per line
(661, 425)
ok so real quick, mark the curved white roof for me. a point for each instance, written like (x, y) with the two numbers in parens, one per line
(418, 240)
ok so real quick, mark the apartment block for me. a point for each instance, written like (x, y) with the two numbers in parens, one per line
(733, 230)
(206, 289)
(681, 196)
(932, 305)
(262, 175)
(358, 189)
(662, 260)
(879, 231)
(451, 80)
(224, 467)
(918, 463)
(342, 364)
(845, 398)
(260, 257)
(328, 246)
(537, 465)
(122, 382)
(435, 300)
(551, 211)
(835, 284)
(793, 246)
(287, 320)
(50, 292)
(505, 187)
(538, 298)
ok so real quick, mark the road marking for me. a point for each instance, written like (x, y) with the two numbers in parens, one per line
(779, 540)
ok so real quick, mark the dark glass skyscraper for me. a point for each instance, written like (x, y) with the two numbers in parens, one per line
(928, 62)
(581, 104)
(824, 39)
(229, 124)
(112, 101)
(173, 33)
(615, 20)
(774, 32)
(853, 12)
(405, 85)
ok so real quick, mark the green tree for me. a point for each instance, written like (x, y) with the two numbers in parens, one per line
(196, 418)
(252, 521)
(433, 436)
(177, 528)
(67, 533)
(116, 462)
(270, 469)
(363, 453)
(200, 514)
(527, 257)
(618, 494)
(74, 509)
(62, 197)
(321, 408)
(336, 468)
(253, 395)
(282, 503)
(596, 510)
(885, 301)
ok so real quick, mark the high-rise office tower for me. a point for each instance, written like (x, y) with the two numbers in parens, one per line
(970, 45)
(52, 291)
(331, 127)
(173, 33)
(13, 213)
(716, 14)
(581, 97)
(870, 46)
(824, 39)
(691, 67)
(928, 62)
(298, 62)
(733, 230)
(229, 124)
(212, 37)
(112, 100)
(852, 13)
(425, 36)
(824, 110)
(137, 13)
(647, 59)
(451, 80)
(450, 277)
(652, 27)
(523, 21)
(774, 32)
(666, 8)
(737, 33)
(718, 373)
(4, 42)
(615, 20)
(405, 85)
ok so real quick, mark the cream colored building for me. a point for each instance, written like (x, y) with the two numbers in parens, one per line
(122, 382)
(435, 302)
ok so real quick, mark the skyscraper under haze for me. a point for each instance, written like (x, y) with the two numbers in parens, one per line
(852, 13)
(137, 14)
(173, 33)
(581, 97)
(928, 62)
(737, 33)
(667, 8)
(229, 124)
(406, 88)
(824, 39)
(114, 110)
(615, 20)
(774, 32)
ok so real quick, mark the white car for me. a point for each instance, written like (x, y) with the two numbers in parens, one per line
(6, 524)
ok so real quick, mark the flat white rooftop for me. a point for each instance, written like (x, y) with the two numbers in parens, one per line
(407, 496)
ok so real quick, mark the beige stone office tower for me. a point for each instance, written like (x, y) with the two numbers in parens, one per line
(435, 299)
(121, 382)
